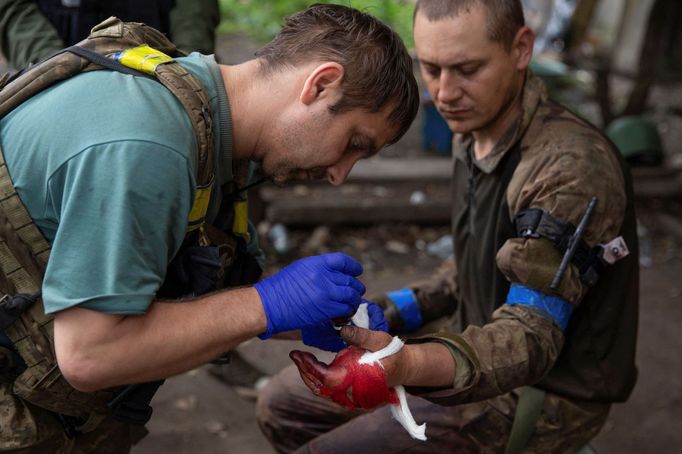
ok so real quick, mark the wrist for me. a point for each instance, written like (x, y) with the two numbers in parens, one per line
(405, 308)
(412, 360)
(428, 364)
(263, 322)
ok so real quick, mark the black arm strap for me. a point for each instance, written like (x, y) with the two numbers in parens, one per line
(538, 223)
(131, 405)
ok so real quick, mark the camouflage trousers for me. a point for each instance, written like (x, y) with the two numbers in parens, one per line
(294, 419)
(25, 428)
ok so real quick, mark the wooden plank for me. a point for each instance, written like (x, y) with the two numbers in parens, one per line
(381, 190)
(664, 188)
(358, 204)
(402, 169)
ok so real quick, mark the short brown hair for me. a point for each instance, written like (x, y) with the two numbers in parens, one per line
(504, 19)
(378, 68)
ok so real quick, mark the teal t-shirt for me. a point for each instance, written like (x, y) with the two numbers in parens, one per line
(105, 163)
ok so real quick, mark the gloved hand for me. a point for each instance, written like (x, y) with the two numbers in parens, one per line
(310, 291)
(325, 337)
(391, 313)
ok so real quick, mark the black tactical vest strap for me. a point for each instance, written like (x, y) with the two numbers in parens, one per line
(538, 223)
(11, 307)
(131, 405)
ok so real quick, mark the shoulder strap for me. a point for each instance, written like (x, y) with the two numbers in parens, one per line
(19, 226)
(528, 412)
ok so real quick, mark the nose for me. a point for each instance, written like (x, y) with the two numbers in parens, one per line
(337, 173)
(449, 89)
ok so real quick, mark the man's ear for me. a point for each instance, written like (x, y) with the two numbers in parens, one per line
(522, 48)
(323, 81)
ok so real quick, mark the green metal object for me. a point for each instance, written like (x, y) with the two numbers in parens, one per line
(637, 139)
(548, 68)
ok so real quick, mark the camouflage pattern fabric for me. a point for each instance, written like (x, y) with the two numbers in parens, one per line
(25, 428)
(562, 163)
(435, 296)
(295, 420)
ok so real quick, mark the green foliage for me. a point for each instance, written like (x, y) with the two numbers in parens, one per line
(261, 20)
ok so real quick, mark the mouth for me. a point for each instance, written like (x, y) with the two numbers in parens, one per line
(454, 113)
(311, 175)
(301, 175)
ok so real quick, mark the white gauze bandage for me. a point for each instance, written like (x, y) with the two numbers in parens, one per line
(401, 412)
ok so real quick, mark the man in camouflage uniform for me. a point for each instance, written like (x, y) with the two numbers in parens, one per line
(126, 255)
(517, 155)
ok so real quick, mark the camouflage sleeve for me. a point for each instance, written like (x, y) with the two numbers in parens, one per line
(26, 35)
(564, 164)
(436, 297)
(193, 24)
(516, 349)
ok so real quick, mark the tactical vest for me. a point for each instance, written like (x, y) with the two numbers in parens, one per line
(24, 252)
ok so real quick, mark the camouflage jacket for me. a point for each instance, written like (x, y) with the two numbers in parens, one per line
(553, 160)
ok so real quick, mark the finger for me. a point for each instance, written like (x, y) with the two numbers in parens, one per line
(343, 263)
(313, 384)
(364, 338)
(308, 364)
(345, 280)
(324, 337)
(345, 296)
(310, 378)
(377, 321)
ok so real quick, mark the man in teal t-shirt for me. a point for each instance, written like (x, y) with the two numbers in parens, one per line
(106, 165)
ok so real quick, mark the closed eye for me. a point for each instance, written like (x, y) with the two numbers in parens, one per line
(361, 144)
(469, 70)
(432, 70)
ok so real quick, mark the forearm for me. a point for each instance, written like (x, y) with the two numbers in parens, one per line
(172, 337)
(421, 363)
(430, 364)
(26, 35)
(434, 297)
(518, 348)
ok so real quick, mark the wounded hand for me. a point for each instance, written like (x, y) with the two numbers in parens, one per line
(344, 381)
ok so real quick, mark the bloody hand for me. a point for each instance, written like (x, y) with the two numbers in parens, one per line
(344, 381)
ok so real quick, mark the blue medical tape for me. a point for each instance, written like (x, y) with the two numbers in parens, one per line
(556, 308)
(406, 302)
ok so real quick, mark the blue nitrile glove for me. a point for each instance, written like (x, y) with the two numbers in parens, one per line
(311, 291)
(325, 337)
